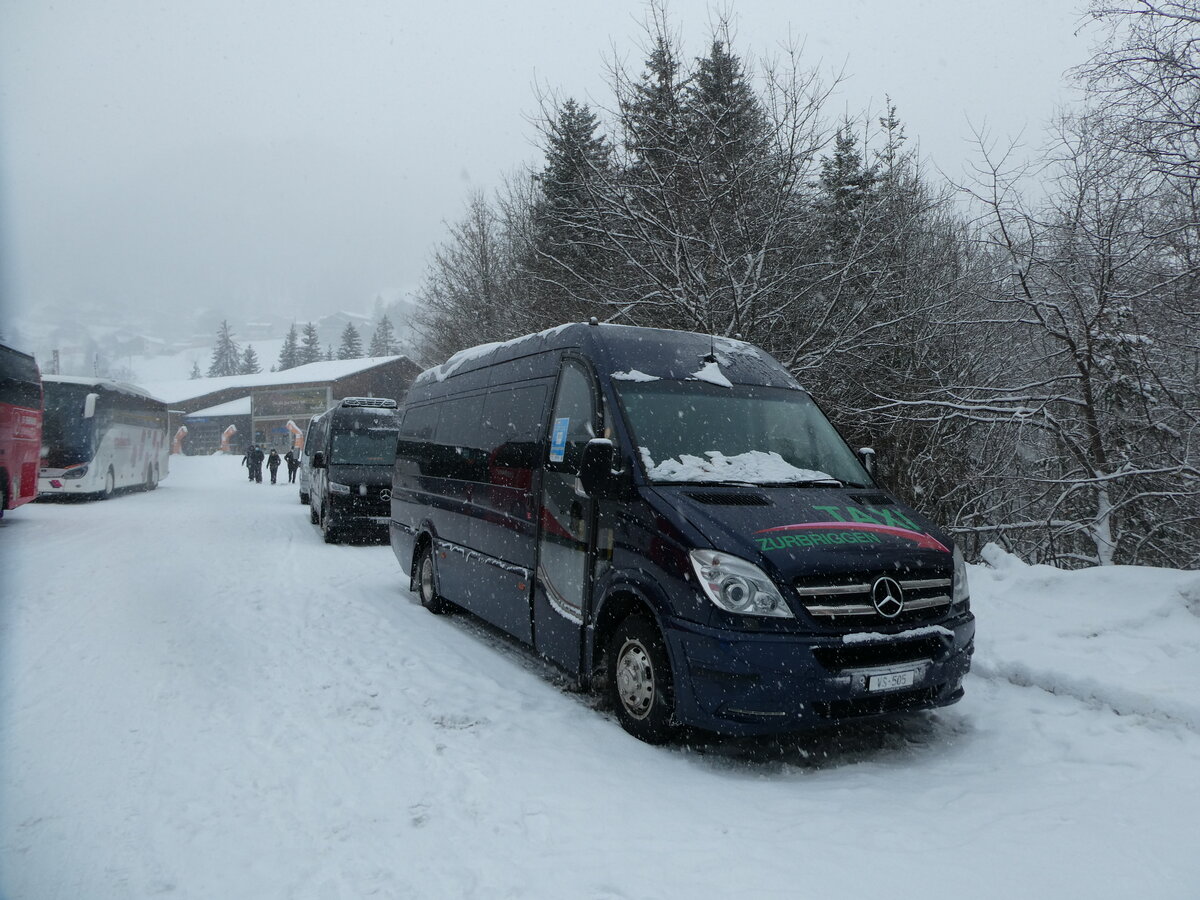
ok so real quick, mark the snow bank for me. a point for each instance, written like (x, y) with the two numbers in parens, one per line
(1126, 638)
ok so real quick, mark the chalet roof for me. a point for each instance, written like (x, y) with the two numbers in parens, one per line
(313, 373)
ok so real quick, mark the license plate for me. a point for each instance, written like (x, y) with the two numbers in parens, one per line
(891, 681)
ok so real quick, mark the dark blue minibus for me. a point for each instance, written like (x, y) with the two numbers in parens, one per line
(669, 517)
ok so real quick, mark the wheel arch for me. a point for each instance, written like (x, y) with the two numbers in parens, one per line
(620, 600)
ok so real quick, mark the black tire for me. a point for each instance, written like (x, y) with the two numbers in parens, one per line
(110, 485)
(639, 680)
(303, 498)
(427, 582)
(312, 515)
(153, 479)
(328, 532)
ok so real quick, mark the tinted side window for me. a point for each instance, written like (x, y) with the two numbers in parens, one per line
(458, 450)
(513, 428)
(414, 449)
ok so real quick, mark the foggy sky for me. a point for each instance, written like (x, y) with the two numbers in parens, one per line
(300, 157)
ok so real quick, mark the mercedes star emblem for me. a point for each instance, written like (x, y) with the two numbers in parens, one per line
(887, 597)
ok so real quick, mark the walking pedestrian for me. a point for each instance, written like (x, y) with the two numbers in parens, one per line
(256, 461)
(293, 464)
(247, 461)
(273, 461)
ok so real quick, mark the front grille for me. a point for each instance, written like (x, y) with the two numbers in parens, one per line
(901, 701)
(879, 653)
(847, 600)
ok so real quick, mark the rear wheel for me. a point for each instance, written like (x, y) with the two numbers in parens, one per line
(427, 582)
(312, 515)
(304, 497)
(639, 680)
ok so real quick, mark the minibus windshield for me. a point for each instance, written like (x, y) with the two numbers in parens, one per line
(694, 431)
(363, 444)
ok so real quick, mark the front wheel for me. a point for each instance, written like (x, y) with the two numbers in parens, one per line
(639, 680)
(110, 485)
(427, 582)
(328, 532)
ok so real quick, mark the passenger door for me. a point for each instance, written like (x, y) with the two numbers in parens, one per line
(566, 523)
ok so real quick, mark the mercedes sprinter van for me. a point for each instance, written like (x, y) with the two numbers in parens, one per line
(669, 516)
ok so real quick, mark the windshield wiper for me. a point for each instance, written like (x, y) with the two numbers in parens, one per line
(812, 482)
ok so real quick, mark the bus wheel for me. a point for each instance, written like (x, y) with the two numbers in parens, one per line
(427, 582)
(312, 515)
(327, 530)
(110, 483)
(639, 678)
(150, 482)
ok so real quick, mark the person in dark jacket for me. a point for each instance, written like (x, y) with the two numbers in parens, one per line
(293, 464)
(247, 461)
(273, 461)
(256, 461)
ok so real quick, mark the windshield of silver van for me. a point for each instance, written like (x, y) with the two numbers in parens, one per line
(694, 431)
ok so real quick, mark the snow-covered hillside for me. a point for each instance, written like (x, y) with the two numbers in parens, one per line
(201, 699)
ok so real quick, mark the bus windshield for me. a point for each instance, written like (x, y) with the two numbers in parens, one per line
(364, 442)
(694, 431)
(68, 439)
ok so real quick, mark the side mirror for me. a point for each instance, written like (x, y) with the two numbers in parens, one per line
(89, 405)
(595, 469)
(866, 456)
(318, 460)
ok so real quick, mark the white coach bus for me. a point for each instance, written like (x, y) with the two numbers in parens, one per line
(99, 436)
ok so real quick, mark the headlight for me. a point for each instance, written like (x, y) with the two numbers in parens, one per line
(737, 586)
(960, 592)
(77, 472)
(335, 488)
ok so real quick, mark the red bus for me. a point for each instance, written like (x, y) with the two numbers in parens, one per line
(20, 427)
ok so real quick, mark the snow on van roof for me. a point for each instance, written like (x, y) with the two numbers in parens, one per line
(462, 357)
(326, 370)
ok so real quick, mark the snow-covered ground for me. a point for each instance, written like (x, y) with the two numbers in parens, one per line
(200, 699)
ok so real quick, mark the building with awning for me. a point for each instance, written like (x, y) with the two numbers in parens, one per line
(271, 407)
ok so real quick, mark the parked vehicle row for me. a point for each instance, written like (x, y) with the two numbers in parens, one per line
(671, 518)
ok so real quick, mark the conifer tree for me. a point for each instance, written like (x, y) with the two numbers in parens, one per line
(289, 353)
(195, 371)
(250, 364)
(310, 346)
(227, 355)
(383, 341)
(351, 345)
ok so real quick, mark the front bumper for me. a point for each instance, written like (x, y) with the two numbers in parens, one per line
(746, 683)
(352, 512)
